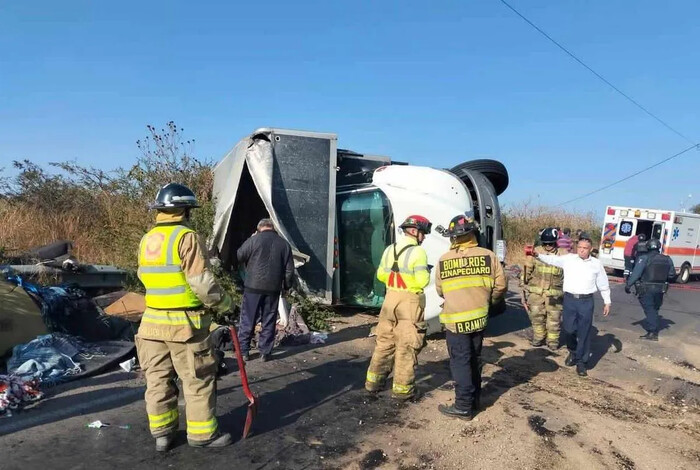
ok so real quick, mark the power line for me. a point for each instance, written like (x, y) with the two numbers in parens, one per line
(694, 146)
(607, 82)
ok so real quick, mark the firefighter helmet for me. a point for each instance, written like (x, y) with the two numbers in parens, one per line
(641, 237)
(654, 245)
(418, 222)
(175, 196)
(461, 225)
(549, 236)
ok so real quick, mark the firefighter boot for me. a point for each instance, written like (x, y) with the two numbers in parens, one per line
(163, 443)
(219, 440)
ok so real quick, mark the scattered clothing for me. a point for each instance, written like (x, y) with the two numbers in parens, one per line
(296, 332)
(50, 359)
(69, 310)
(15, 393)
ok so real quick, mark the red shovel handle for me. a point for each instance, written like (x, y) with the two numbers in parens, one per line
(253, 405)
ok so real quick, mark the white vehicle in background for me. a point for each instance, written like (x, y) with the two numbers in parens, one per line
(678, 232)
(339, 209)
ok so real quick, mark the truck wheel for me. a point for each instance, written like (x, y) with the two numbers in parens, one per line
(493, 170)
(684, 275)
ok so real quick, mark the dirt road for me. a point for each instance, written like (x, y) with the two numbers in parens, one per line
(638, 409)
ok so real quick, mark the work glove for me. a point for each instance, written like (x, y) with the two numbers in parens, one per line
(628, 290)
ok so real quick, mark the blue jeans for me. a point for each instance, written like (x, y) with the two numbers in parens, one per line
(254, 307)
(577, 323)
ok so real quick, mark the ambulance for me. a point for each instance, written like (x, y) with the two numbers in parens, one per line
(678, 232)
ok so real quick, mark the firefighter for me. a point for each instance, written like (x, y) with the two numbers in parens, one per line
(651, 275)
(173, 338)
(543, 292)
(470, 279)
(401, 328)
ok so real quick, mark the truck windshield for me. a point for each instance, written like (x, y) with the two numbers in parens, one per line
(364, 231)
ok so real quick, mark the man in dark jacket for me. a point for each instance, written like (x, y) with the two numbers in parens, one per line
(652, 273)
(269, 267)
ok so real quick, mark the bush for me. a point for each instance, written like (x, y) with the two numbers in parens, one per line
(104, 213)
(522, 224)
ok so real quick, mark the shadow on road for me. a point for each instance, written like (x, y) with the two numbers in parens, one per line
(515, 370)
(601, 345)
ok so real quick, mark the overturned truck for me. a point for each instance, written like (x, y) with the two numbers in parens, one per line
(339, 209)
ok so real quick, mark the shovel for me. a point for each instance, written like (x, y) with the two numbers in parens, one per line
(253, 405)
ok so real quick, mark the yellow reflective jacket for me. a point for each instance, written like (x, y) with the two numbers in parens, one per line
(410, 271)
(179, 294)
(540, 278)
(470, 279)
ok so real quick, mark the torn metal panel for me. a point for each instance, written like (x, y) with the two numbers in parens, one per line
(288, 176)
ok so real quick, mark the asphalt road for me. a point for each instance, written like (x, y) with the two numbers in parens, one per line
(313, 410)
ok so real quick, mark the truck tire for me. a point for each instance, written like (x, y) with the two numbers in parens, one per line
(683, 276)
(494, 170)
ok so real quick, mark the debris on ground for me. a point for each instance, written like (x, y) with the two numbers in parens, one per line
(130, 307)
(128, 365)
(15, 393)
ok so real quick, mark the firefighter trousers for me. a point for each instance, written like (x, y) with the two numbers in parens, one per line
(400, 336)
(545, 316)
(194, 363)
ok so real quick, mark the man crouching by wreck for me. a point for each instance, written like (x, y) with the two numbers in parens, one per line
(173, 339)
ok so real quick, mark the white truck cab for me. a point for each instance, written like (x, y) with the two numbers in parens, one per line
(339, 209)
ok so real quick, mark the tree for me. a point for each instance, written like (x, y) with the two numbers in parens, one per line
(695, 209)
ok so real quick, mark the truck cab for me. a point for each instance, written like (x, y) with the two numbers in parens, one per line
(340, 209)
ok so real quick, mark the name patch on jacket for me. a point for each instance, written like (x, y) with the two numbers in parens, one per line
(471, 326)
(467, 266)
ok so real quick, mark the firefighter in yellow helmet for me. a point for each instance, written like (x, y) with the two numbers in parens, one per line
(470, 279)
(401, 328)
(543, 292)
(173, 338)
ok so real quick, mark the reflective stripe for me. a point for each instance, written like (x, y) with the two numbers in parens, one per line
(160, 269)
(464, 316)
(171, 244)
(420, 268)
(171, 318)
(407, 256)
(462, 283)
(162, 420)
(543, 269)
(548, 292)
(401, 389)
(375, 378)
(202, 427)
(168, 291)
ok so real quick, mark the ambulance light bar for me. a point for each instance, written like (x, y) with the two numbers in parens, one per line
(666, 216)
(611, 211)
(651, 215)
(624, 213)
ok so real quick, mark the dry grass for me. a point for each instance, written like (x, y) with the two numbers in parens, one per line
(522, 224)
(110, 239)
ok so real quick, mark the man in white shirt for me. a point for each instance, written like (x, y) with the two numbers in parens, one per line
(583, 275)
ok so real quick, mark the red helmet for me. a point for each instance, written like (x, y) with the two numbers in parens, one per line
(417, 221)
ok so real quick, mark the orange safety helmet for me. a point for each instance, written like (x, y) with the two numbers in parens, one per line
(417, 221)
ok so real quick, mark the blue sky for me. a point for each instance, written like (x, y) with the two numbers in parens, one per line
(432, 85)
